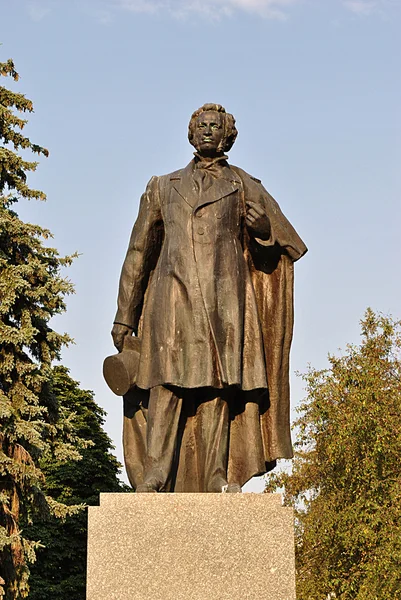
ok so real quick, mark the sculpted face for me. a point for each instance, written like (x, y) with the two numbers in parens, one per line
(209, 132)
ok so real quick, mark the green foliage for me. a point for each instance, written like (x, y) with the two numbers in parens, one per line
(345, 484)
(31, 292)
(60, 570)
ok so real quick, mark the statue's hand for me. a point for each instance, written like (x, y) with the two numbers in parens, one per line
(118, 334)
(257, 221)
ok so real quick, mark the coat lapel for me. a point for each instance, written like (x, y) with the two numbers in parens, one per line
(184, 185)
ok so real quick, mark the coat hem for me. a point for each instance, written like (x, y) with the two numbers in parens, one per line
(185, 386)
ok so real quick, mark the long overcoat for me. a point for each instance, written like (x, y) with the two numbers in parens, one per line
(213, 307)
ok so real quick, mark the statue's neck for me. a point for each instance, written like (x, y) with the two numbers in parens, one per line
(201, 159)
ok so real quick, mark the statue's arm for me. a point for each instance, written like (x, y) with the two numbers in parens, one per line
(282, 233)
(277, 232)
(141, 258)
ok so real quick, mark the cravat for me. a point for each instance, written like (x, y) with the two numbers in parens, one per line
(206, 172)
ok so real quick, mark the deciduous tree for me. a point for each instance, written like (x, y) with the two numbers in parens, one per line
(345, 483)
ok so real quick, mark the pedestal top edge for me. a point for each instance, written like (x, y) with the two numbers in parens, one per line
(127, 499)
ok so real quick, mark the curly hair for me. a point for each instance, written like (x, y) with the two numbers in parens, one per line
(230, 131)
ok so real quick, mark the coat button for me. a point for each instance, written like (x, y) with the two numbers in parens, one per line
(199, 213)
(201, 231)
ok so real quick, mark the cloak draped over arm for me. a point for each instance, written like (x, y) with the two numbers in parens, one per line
(271, 266)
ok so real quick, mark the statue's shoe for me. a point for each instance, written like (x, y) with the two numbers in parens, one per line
(233, 488)
(217, 485)
(146, 487)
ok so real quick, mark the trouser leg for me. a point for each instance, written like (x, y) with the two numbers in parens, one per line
(164, 412)
(214, 425)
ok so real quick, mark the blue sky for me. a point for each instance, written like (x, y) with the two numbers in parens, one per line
(315, 89)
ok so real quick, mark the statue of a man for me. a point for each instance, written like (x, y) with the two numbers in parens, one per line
(207, 285)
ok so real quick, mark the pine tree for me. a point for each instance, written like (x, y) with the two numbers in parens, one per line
(345, 483)
(60, 570)
(32, 291)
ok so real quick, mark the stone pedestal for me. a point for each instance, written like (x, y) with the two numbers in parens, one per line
(190, 546)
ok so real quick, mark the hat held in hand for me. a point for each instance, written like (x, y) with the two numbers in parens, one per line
(120, 370)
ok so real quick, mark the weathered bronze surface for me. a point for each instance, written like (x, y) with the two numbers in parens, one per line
(207, 286)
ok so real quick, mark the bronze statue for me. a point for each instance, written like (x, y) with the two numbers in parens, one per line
(207, 287)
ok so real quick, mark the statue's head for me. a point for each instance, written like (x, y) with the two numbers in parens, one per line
(212, 130)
